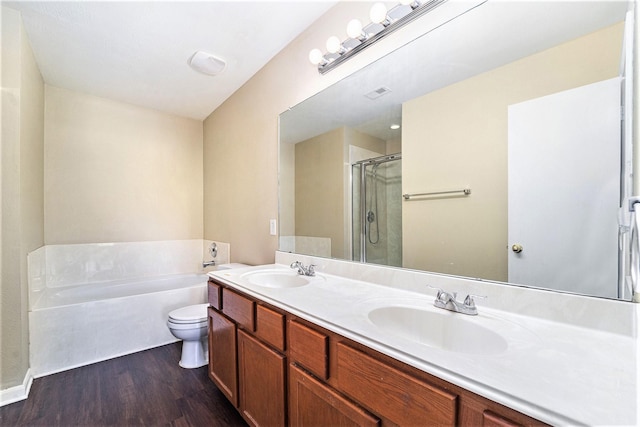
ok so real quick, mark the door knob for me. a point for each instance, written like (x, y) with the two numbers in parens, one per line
(516, 248)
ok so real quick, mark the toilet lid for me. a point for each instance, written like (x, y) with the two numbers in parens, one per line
(192, 313)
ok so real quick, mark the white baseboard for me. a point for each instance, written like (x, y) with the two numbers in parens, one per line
(17, 393)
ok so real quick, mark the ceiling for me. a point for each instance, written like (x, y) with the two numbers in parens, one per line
(138, 52)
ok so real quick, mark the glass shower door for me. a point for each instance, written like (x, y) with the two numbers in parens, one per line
(377, 210)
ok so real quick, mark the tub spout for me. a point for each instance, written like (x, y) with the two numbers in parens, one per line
(208, 263)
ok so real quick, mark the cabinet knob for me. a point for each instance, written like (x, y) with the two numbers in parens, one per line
(516, 248)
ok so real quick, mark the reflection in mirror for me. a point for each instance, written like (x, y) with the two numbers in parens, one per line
(518, 102)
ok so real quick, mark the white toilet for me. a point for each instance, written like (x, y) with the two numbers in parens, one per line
(190, 324)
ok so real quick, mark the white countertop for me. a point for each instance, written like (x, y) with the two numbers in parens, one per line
(557, 372)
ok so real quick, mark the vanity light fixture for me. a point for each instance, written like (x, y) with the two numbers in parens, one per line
(383, 22)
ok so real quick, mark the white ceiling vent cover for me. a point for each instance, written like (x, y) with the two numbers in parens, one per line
(206, 63)
(378, 92)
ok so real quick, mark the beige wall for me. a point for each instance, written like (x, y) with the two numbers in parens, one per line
(21, 213)
(241, 136)
(457, 137)
(319, 189)
(115, 172)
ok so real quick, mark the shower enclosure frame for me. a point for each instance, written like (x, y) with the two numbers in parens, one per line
(363, 196)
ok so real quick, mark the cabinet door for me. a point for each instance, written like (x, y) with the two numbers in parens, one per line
(391, 393)
(262, 382)
(222, 355)
(312, 404)
(489, 419)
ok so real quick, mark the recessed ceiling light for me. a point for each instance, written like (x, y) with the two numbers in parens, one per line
(206, 63)
(394, 127)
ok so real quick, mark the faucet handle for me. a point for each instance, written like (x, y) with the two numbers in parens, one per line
(297, 265)
(440, 290)
(469, 300)
(311, 270)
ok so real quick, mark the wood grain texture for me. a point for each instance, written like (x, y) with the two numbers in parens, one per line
(309, 348)
(239, 308)
(402, 398)
(262, 383)
(270, 326)
(223, 368)
(489, 419)
(214, 295)
(313, 404)
(145, 389)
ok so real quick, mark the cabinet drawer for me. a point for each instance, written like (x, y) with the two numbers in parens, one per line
(394, 394)
(239, 308)
(270, 326)
(215, 295)
(309, 348)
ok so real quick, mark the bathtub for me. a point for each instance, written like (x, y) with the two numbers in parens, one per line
(78, 325)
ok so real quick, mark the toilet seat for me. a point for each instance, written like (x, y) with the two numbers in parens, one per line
(190, 315)
(186, 326)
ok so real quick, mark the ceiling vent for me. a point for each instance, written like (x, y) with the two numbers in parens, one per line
(206, 63)
(378, 92)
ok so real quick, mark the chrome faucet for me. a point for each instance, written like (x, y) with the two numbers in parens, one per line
(302, 270)
(449, 302)
(213, 251)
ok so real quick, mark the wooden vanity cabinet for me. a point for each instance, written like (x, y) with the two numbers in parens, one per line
(289, 371)
(262, 382)
(245, 356)
(312, 403)
(223, 369)
(353, 374)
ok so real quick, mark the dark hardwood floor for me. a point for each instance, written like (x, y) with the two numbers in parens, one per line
(146, 388)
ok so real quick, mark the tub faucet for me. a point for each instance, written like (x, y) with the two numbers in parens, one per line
(449, 302)
(302, 270)
(208, 263)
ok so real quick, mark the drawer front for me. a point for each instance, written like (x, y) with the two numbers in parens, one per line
(215, 295)
(239, 308)
(392, 393)
(270, 327)
(309, 348)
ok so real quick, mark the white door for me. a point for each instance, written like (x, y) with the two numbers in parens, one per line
(564, 190)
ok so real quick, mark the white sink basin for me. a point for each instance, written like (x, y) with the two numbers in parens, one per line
(276, 279)
(441, 329)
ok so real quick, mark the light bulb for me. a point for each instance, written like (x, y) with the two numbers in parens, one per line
(378, 13)
(315, 56)
(394, 126)
(354, 29)
(333, 44)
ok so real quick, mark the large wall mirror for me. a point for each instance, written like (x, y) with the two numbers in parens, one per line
(491, 147)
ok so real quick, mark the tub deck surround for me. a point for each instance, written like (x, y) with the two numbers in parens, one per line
(62, 266)
(562, 373)
(79, 294)
(92, 302)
